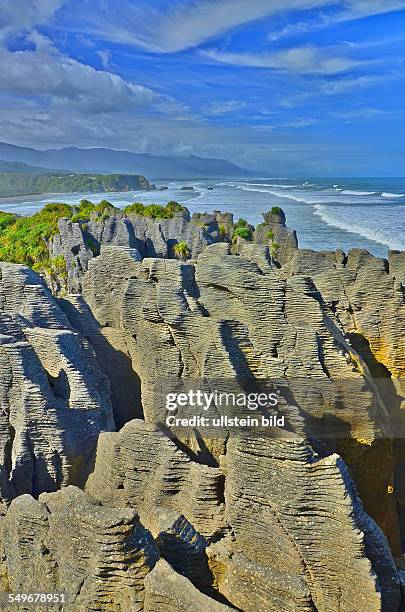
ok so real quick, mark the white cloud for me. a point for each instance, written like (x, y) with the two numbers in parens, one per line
(303, 60)
(185, 24)
(105, 56)
(25, 14)
(46, 72)
(366, 8)
(263, 127)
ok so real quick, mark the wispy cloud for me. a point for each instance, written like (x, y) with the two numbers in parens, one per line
(360, 114)
(300, 123)
(347, 84)
(349, 11)
(222, 108)
(182, 25)
(303, 60)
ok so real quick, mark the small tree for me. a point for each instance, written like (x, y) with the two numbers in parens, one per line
(181, 250)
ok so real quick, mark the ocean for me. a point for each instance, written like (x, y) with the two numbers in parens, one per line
(326, 213)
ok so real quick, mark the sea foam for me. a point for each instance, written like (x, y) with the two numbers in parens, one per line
(392, 196)
(358, 193)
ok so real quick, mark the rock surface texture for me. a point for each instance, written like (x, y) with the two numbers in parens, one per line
(307, 518)
(54, 399)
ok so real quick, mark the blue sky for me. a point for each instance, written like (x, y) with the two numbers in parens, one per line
(281, 86)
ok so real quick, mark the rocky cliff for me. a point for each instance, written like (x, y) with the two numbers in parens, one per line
(107, 503)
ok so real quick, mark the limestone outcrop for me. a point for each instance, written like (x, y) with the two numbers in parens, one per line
(79, 242)
(171, 481)
(169, 591)
(275, 233)
(303, 516)
(54, 399)
(65, 543)
(227, 318)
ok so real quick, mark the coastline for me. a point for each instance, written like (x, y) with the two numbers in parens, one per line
(38, 196)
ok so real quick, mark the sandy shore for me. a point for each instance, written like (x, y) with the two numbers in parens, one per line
(31, 198)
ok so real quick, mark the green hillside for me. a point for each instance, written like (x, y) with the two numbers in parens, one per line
(16, 183)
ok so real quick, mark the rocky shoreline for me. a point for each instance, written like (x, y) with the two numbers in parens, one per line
(102, 503)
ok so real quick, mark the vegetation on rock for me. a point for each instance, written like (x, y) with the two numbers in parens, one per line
(181, 250)
(154, 211)
(87, 209)
(24, 240)
(222, 230)
(241, 229)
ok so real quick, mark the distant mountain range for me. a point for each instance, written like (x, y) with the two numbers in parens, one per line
(111, 161)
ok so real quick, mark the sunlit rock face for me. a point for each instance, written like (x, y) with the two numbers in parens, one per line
(225, 317)
(307, 518)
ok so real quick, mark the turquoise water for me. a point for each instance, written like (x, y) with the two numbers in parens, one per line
(326, 213)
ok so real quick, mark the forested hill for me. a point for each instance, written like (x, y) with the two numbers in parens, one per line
(17, 183)
(22, 168)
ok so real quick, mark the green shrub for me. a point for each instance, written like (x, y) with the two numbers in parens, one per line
(181, 250)
(276, 210)
(55, 267)
(273, 250)
(86, 209)
(222, 230)
(241, 223)
(241, 232)
(154, 211)
(270, 235)
(174, 207)
(25, 240)
(6, 219)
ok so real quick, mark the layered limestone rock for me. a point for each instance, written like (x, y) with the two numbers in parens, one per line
(66, 543)
(203, 517)
(222, 320)
(294, 535)
(301, 538)
(364, 295)
(166, 590)
(275, 233)
(79, 242)
(170, 481)
(54, 399)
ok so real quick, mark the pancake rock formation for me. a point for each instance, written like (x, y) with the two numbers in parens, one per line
(54, 398)
(106, 502)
